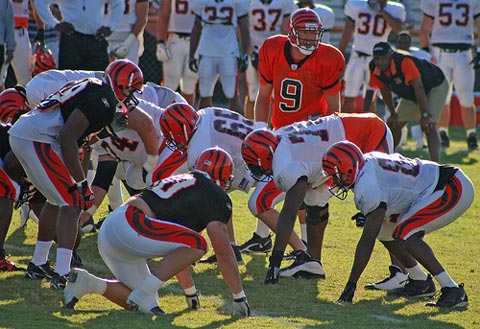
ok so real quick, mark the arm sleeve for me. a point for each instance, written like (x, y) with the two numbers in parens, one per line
(43, 9)
(375, 82)
(118, 7)
(9, 28)
(265, 73)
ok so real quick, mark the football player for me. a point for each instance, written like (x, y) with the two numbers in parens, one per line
(404, 199)
(291, 158)
(326, 14)
(175, 20)
(369, 22)
(46, 142)
(156, 223)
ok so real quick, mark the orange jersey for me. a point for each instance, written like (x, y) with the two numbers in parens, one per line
(366, 130)
(299, 87)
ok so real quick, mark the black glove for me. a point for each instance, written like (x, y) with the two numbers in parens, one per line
(476, 61)
(243, 63)
(360, 219)
(254, 58)
(86, 192)
(192, 301)
(274, 267)
(27, 191)
(193, 64)
(39, 40)
(348, 292)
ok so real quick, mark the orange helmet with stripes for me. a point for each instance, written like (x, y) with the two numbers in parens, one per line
(43, 60)
(218, 164)
(178, 123)
(342, 161)
(125, 78)
(13, 103)
(305, 32)
(257, 152)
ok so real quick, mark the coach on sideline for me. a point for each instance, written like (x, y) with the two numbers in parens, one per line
(82, 35)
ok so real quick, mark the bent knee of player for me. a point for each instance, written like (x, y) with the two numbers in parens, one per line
(315, 215)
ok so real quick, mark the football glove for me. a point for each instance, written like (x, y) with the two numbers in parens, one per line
(348, 292)
(274, 267)
(27, 191)
(243, 63)
(193, 64)
(192, 301)
(360, 219)
(163, 53)
(476, 60)
(254, 57)
(240, 307)
(86, 192)
(39, 40)
(122, 49)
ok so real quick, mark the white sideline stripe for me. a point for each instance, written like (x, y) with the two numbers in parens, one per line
(386, 318)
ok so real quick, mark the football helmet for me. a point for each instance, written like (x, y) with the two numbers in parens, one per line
(218, 164)
(257, 152)
(13, 103)
(125, 78)
(306, 29)
(43, 60)
(178, 123)
(342, 161)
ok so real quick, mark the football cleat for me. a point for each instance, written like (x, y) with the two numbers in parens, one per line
(445, 140)
(472, 142)
(213, 259)
(8, 266)
(80, 283)
(304, 267)
(88, 226)
(76, 260)
(39, 272)
(395, 281)
(58, 281)
(257, 244)
(451, 297)
(418, 288)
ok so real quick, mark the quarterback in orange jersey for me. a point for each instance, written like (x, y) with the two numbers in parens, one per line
(303, 73)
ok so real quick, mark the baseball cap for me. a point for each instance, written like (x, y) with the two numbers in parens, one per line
(382, 49)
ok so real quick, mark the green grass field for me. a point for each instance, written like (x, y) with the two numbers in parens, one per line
(291, 304)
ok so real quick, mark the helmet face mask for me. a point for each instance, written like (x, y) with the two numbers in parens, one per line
(218, 165)
(178, 124)
(306, 30)
(258, 149)
(342, 162)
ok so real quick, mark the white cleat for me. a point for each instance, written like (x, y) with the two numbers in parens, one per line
(395, 281)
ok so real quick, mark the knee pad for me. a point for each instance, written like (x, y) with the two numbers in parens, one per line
(104, 175)
(314, 216)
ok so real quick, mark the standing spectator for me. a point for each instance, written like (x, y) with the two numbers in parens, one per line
(125, 41)
(215, 30)
(368, 22)
(421, 195)
(133, 234)
(266, 19)
(449, 29)
(46, 143)
(82, 35)
(7, 39)
(302, 73)
(175, 23)
(326, 14)
(421, 86)
(22, 58)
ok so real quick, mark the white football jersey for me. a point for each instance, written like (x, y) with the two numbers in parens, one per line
(266, 18)
(453, 21)
(327, 16)
(395, 180)
(160, 96)
(181, 17)
(46, 83)
(20, 11)
(371, 27)
(128, 19)
(301, 149)
(220, 21)
(227, 130)
(127, 144)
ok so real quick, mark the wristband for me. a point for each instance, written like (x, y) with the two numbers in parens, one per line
(92, 210)
(239, 295)
(190, 291)
(81, 183)
(130, 40)
(161, 41)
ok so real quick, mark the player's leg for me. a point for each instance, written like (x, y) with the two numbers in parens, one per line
(207, 77)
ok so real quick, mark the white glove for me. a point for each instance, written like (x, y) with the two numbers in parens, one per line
(122, 49)
(192, 301)
(240, 307)
(151, 163)
(163, 53)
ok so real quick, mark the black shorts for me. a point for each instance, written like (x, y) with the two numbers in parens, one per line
(82, 52)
